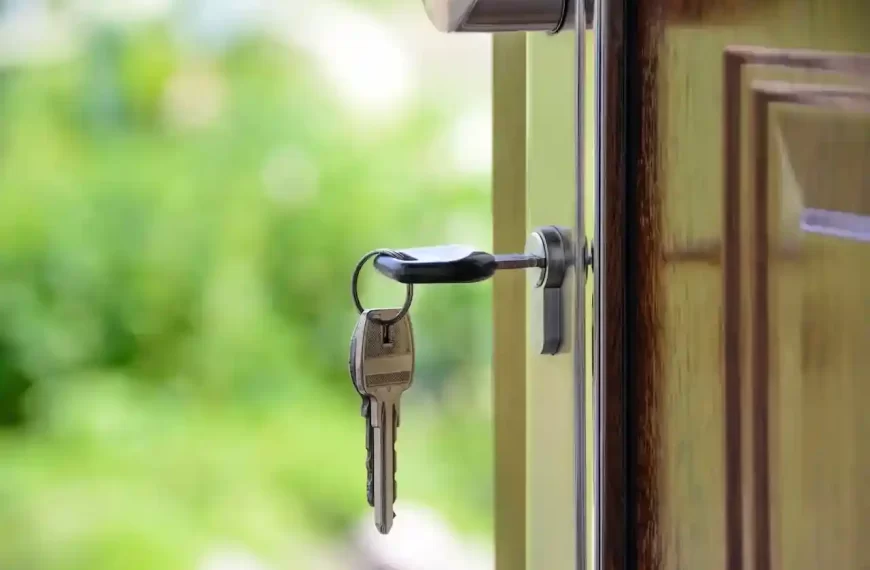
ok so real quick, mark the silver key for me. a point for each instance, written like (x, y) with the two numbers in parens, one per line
(384, 370)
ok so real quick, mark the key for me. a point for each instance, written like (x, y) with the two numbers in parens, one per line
(365, 410)
(450, 264)
(385, 369)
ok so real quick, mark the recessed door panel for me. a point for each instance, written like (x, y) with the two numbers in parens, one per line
(735, 211)
(811, 323)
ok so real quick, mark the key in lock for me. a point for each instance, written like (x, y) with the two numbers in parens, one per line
(550, 254)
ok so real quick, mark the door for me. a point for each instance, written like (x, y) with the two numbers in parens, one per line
(723, 425)
(735, 283)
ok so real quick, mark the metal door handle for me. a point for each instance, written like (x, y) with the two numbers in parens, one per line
(505, 15)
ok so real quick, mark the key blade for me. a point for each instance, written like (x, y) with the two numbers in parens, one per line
(366, 413)
(519, 261)
(385, 469)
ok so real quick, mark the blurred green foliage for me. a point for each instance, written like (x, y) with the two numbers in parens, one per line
(176, 236)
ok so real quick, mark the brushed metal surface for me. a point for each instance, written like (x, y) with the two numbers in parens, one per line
(500, 15)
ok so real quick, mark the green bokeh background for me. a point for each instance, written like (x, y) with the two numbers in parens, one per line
(175, 315)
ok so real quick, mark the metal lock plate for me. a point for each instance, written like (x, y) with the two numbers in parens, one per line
(554, 245)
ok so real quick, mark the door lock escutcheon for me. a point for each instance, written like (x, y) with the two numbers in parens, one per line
(552, 244)
(549, 251)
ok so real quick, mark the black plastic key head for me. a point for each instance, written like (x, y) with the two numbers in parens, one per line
(441, 264)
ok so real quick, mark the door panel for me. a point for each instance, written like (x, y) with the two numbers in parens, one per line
(811, 324)
(737, 294)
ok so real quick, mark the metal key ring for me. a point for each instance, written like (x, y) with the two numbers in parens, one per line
(409, 294)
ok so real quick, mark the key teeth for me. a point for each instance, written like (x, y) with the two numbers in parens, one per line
(365, 411)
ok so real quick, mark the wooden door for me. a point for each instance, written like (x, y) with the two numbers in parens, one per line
(734, 284)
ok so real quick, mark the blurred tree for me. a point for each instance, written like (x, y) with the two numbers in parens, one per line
(177, 232)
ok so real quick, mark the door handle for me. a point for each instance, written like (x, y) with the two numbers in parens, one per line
(505, 15)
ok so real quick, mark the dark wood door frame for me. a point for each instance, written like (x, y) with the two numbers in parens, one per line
(615, 501)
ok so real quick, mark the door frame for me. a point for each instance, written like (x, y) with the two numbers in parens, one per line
(509, 298)
(519, 539)
(618, 342)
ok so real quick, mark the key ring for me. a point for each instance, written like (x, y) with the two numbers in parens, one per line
(409, 294)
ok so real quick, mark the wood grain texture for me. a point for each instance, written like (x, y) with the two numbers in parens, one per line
(766, 94)
(644, 257)
(708, 443)
(716, 11)
(610, 367)
(732, 307)
(737, 58)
